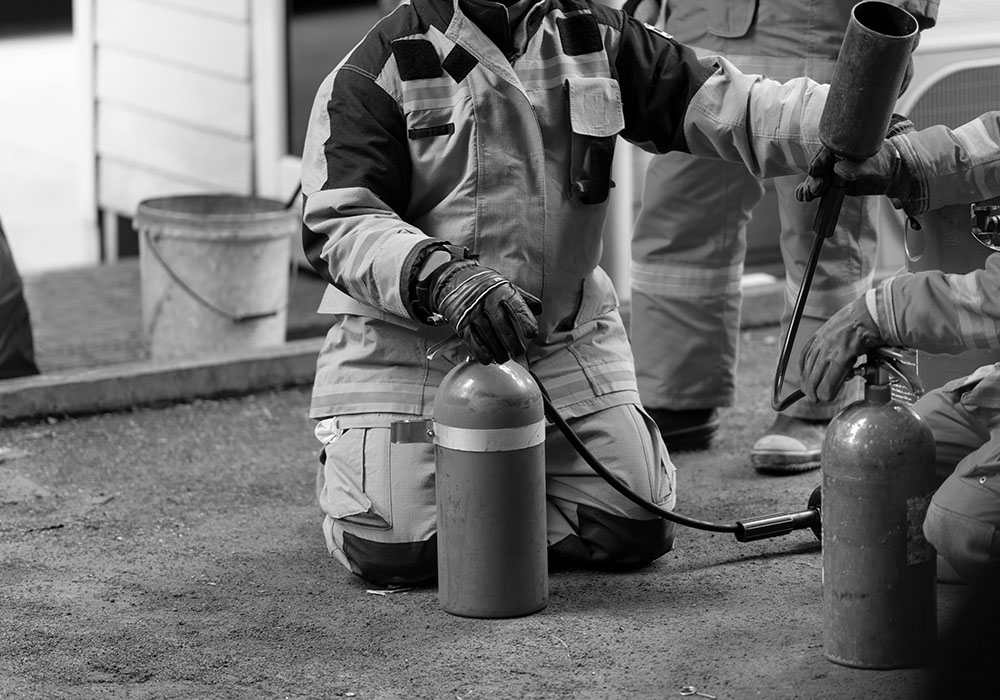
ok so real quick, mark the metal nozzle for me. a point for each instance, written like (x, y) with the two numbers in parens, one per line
(767, 526)
(867, 79)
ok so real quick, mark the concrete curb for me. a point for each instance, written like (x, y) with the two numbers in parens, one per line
(126, 385)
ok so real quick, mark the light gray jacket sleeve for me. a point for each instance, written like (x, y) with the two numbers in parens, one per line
(772, 127)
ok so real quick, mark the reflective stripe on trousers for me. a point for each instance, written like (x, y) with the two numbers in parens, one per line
(687, 260)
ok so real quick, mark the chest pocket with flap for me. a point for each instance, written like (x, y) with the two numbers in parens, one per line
(596, 118)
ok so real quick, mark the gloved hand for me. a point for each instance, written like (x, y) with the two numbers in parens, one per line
(486, 310)
(828, 357)
(883, 173)
(647, 11)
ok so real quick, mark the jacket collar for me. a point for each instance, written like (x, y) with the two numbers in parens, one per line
(508, 28)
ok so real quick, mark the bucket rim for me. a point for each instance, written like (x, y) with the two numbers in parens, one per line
(215, 207)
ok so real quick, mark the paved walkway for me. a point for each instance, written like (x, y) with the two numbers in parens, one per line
(92, 355)
(90, 348)
(92, 317)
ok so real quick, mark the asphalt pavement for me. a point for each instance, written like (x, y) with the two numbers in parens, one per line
(160, 539)
(175, 551)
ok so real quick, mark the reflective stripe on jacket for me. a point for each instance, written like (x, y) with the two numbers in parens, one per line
(428, 130)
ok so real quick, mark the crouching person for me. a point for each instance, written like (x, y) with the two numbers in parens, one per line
(937, 313)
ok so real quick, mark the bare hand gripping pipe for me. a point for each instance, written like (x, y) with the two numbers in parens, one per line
(859, 105)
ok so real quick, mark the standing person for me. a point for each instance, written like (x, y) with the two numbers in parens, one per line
(456, 171)
(17, 345)
(689, 242)
(938, 313)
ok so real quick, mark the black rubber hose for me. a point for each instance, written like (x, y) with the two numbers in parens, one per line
(574, 440)
(777, 403)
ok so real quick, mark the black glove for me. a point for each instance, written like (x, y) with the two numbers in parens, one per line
(647, 11)
(828, 357)
(884, 173)
(486, 310)
(875, 175)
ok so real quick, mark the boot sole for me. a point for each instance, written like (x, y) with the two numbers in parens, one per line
(784, 463)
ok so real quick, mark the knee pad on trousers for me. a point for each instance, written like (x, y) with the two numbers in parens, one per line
(391, 563)
(607, 541)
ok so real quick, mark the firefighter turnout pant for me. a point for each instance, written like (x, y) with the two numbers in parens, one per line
(963, 518)
(378, 497)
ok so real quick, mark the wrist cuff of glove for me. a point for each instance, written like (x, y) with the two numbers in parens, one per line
(420, 282)
(905, 186)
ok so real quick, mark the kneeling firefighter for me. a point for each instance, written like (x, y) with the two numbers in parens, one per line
(456, 166)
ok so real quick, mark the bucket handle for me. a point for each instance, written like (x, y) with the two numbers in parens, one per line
(235, 318)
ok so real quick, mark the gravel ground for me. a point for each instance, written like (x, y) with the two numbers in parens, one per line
(175, 552)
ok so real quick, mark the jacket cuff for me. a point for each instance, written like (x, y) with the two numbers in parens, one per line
(410, 290)
(912, 174)
(885, 315)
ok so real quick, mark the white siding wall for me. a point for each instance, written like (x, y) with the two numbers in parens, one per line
(174, 100)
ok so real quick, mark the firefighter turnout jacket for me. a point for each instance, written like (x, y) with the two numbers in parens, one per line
(443, 123)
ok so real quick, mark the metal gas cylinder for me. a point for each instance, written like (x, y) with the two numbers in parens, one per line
(489, 436)
(879, 606)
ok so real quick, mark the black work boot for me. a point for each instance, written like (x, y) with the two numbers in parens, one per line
(686, 430)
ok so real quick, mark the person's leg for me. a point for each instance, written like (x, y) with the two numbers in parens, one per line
(687, 264)
(963, 518)
(957, 431)
(589, 523)
(17, 344)
(378, 500)
(844, 272)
